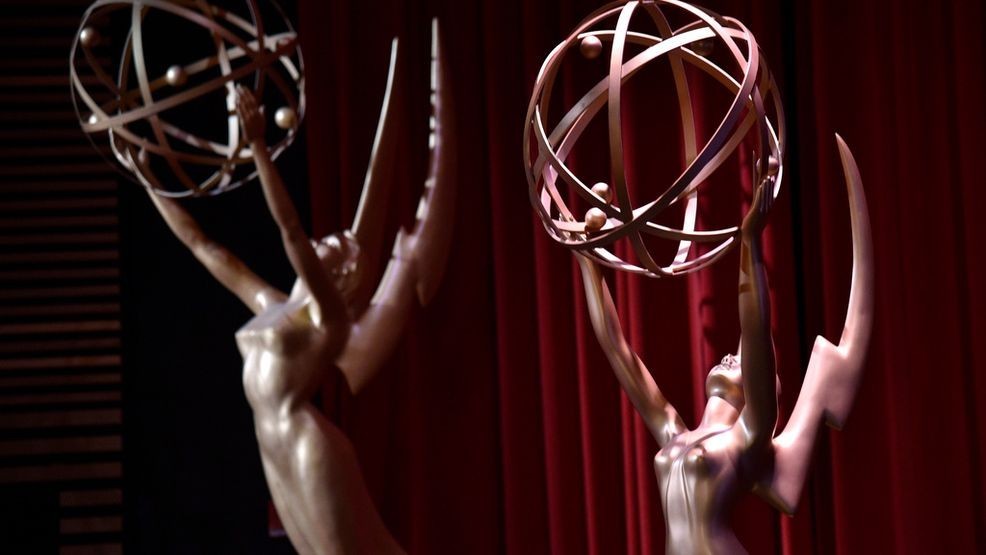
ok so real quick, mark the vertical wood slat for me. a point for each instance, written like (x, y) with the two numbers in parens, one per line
(60, 337)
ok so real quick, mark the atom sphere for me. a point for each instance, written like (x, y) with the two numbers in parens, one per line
(168, 120)
(754, 121)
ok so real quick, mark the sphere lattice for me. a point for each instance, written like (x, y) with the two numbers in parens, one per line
(611, 216)
(154, 82)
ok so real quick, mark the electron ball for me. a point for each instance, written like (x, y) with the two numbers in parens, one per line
(603, 191)
(285, 117)
(773, 166)
(176, 76)
(591, 47)
(88, 37)
(595, 219)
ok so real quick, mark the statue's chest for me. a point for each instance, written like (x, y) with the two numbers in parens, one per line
(693, 464)
(681, 463)
(283, 355)
(281, 329)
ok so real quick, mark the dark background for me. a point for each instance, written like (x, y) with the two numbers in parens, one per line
(497, 427)
(193, 479)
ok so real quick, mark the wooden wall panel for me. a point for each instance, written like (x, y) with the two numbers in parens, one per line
(60, 345)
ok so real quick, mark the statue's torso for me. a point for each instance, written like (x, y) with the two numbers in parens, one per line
(285, 357)
(305, 458)
(697, 474)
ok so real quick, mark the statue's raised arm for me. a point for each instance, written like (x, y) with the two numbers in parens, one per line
(227, 268)
(759, 414)
(834, 371)
(659, 415)
(297, 244)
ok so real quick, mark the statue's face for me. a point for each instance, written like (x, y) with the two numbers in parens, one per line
(339, 254)
(726, 382)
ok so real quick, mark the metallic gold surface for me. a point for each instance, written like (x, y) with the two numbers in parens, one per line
(295, 338)
(702, 472)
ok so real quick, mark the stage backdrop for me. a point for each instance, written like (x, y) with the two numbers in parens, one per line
(499, 427)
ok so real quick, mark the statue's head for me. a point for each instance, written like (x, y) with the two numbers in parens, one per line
(725, 381)
(340, 256)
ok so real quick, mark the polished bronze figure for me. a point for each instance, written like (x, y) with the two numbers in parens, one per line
(702, 472)
(327, 319)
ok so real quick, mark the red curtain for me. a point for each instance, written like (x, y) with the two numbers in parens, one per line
(499, 427)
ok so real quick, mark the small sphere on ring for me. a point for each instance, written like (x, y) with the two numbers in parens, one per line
(591, 47)
(92, 119)
(285, 117)
(595, 219)
(176, 76)
(88, 37)
(603, 191)
(773, 166)
(703, 47)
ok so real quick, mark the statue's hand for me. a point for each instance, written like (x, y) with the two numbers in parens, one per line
(250, 115)
(763, 199)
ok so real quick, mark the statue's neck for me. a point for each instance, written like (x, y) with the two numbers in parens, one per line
(718, 413)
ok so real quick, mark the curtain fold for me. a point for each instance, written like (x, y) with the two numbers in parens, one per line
(498, 426)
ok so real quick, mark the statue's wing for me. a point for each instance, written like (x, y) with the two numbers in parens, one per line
(834, 372)
(432, 232)
(418, 260)
(369, 223)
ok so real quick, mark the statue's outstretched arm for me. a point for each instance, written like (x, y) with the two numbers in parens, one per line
(298, 246)
(759, 414)
(418, 258)
(661, 418)
(229, 270)
(833, 371)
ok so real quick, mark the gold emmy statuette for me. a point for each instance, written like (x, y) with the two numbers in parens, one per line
(336, 314)
(702, 472)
